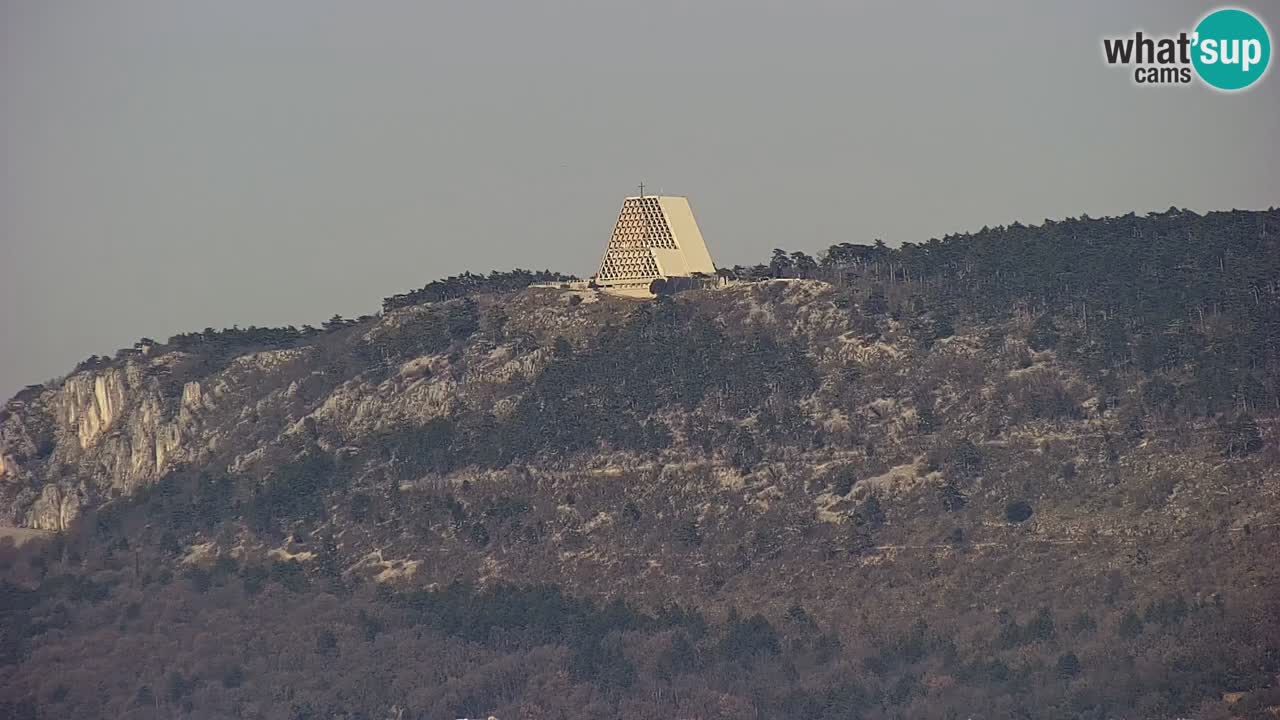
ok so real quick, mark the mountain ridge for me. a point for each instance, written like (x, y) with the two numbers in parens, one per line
(1069, 500)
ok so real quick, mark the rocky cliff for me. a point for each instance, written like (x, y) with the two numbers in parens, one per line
(113, 426)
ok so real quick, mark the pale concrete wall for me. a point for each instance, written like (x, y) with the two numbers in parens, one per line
(671, 263)
(685, 229)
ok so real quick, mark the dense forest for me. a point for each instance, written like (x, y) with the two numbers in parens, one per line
(1027, 472)
(1158, 292)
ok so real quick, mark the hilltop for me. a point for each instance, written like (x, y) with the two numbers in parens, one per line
(1029, 470)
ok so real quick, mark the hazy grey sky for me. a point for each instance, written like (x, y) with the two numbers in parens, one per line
(171, 165)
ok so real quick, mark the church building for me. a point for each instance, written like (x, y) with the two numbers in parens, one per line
(655, 238)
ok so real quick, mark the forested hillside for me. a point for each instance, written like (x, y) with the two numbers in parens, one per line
(1167, 291)
(1026, 472)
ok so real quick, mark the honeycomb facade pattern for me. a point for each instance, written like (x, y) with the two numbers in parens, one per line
(654, 237)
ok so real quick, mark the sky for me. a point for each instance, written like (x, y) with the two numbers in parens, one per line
(170, 165)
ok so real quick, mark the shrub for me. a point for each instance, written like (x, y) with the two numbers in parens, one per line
(943, 326)
(1068, 665)
(144, 697)
(876, 303)
(326, 642)
(1168, 610)
(178, 686)
(290, 574)
(1083, 623)
(1130, 625)
(478, 535)
(200, 579)
(872, 512)
(361, 504)
(842, 482)
(746, 639)
(1239, 437)
(689, 533)
(959, 455)
(233, 677)
(254, 577)
(1068, 471)
(656, 435)
(952, 498)
(604, 663)
(1041, 627)
(1043, 334)
(1018, 511)
(858, 537)
(505, 508)
(1041, 394)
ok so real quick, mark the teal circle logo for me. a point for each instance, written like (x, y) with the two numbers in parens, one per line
(1231, 49)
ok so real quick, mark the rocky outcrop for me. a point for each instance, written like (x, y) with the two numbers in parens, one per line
(112, 427)
(100, 434)
(89, 403)
(55, 508)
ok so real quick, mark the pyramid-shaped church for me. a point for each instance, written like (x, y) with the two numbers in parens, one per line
(655, 237)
